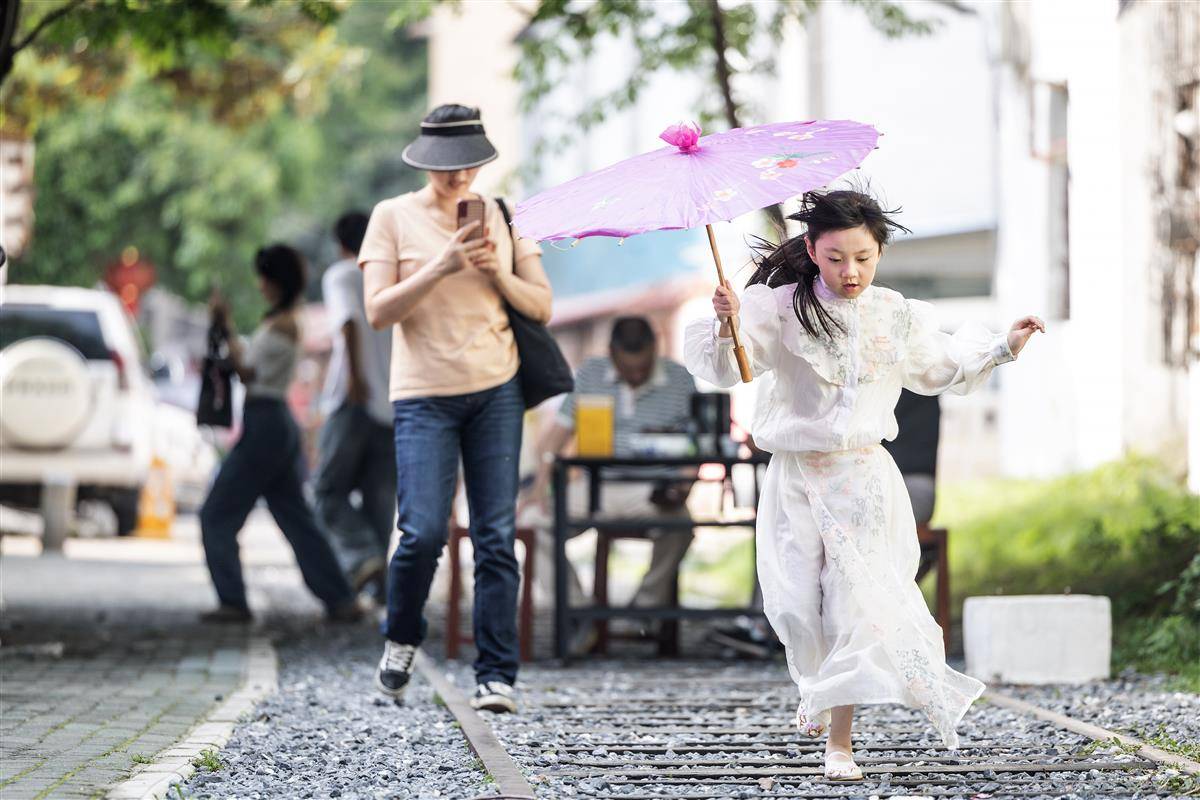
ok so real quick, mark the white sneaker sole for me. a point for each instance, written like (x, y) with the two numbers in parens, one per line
(395, 694)
(497, 703)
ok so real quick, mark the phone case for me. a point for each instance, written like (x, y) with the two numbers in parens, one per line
(471, 211)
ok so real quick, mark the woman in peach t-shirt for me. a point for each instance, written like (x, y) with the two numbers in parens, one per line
(454, 391)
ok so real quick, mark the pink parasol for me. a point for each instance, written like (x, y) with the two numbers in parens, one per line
(699, 180)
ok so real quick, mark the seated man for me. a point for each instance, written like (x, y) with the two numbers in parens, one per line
(650, 394)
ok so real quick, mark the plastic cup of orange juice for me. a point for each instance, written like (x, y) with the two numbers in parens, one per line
(594, 424)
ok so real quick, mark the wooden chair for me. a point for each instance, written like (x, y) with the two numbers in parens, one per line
(668, 632)
(526, 536)
(935, 554)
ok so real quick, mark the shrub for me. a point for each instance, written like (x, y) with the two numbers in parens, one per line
(1125, 530)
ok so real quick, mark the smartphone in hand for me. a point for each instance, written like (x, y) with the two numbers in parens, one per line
(471, 210)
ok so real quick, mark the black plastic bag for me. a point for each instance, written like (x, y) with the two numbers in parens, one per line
(215, 406)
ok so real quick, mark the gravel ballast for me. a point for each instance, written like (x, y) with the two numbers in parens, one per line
(549, 745)
(329, 733)
(1142, 706)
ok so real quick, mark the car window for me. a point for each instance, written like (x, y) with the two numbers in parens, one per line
(78, 328)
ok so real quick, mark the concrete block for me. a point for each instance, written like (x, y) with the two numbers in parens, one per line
(1038, 639)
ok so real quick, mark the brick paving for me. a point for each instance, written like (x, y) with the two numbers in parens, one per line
(72, 726)
(103, 659)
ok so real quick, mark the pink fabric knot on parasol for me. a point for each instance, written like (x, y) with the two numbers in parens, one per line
(684, 136)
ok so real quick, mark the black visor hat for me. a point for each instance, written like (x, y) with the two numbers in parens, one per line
(449, 146)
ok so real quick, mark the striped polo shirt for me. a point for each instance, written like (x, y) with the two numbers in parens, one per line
(662, 403)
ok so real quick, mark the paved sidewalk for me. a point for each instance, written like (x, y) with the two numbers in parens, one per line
(72, 726)
(103, 661)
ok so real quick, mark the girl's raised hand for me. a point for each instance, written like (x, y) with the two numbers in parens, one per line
(725, 302)
(1021, 330)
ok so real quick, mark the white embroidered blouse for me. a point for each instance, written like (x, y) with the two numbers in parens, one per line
(828, 394)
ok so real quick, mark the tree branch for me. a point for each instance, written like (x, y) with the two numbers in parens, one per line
(773, 213)
(723, 79)
(954, 5)
(46, 21)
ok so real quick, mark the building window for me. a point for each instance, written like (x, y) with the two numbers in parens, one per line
(1049, 144)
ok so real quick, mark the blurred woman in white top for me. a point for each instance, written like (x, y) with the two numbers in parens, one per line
(265, 462)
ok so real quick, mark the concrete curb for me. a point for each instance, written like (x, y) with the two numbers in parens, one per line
(174, 765)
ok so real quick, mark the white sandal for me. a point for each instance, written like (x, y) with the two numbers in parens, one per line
(844, 770)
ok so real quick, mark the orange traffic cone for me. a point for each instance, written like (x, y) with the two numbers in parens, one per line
(156, 509)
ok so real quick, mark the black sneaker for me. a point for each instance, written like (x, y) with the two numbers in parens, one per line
(746, 641)
(227, 615)
(395, 668)
(347, 613)
(494, 696)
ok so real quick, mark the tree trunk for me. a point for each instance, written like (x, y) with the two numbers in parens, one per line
(724, 83)
(8, 33)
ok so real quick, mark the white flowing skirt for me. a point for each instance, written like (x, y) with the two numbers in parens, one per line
(837, 561)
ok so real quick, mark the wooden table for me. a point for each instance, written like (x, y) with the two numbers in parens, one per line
(611, 469)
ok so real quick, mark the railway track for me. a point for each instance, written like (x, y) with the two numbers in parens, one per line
(698, 731)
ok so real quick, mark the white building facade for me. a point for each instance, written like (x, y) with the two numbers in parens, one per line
(1044, 154)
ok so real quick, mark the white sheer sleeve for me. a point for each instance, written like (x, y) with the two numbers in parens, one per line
(710, 357)
(938, 362)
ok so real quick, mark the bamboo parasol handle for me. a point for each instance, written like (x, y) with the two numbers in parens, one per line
(739, 352)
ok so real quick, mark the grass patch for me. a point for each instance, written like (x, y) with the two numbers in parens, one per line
(1177, 784)
(138, 758)
(721, 579)
(438, 700)
(1163, 740)
(208, 760)
(1127, 530)
(1111, 743)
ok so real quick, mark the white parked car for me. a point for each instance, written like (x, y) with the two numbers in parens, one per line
(75, 402)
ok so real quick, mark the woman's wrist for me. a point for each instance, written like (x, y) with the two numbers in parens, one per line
(501, 280)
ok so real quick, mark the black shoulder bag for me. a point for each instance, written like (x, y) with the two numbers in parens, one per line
(544, 372)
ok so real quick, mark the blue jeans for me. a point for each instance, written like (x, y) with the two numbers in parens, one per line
(357, 455)
(265, 463)
(431, 433)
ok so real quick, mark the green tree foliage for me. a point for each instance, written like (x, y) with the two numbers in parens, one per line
(198, 178)
(195, 198)
(362, 131)
(720, 39)
(224, 51)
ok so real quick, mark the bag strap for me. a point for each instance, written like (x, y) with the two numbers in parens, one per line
(512, 237)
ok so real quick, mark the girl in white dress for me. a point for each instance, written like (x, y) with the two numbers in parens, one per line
(837, 543)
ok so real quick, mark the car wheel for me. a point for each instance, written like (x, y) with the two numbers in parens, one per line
(124, 504)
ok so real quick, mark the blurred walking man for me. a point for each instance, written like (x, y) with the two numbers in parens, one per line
(356, 476)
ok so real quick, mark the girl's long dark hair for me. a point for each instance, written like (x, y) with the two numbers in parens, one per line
(283, 266)
(789, 262)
